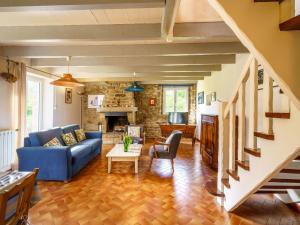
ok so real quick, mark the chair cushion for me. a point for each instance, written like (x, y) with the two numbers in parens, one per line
(134, 131)
(163, 154)
(94, 143)
(80, 151)
(42, 137)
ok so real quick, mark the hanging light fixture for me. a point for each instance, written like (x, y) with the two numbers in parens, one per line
(134, 87)
(67, 80)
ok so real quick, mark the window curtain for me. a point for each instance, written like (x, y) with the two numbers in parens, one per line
(19, 101)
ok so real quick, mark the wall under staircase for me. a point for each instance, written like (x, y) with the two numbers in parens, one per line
(257, 26)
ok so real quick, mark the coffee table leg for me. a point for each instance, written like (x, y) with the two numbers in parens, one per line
(136, 165)
(109, 165)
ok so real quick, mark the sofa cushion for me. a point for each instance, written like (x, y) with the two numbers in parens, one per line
(69, 139)
(52, 143)
(80, 151)
(80, 135)
(95, 143)
(42, 137)
(70, 129)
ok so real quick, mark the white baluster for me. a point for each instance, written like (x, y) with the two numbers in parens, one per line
(268, 103)
(242, 122)
(253, 86)
(232, 116)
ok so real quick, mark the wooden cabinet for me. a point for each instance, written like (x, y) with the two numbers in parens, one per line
(188, 131)
(209, 140)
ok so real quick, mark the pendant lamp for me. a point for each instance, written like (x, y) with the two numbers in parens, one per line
(67, 80)
(134, 87)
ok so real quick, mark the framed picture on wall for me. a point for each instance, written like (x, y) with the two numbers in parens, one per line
(208, 99)
(68, 96)
(95, 101)
(152, 101)
(213, 96)
(201, 97)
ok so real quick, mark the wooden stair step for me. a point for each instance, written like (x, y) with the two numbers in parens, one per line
(268, 1)
(297, 158)
(281, 180)
(243, 164)
(233, 174)
(226, 183)
(254, 152)
(271, 192)
(294, 171)
(264, 135)
(278, 115)
(291, 24)
(212, 187)
(281, 187)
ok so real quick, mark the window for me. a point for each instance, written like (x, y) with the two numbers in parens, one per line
(34, 104)
(176, 99)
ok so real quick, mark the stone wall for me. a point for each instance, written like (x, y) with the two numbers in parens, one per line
(115, 96)
(148, 115)
(151, 116)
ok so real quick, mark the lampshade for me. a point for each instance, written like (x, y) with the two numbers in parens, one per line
(67, 81)
(135, 87)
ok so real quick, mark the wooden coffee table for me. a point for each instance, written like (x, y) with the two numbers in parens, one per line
(117, 154)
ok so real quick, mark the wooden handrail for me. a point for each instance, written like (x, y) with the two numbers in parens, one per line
(243, 78)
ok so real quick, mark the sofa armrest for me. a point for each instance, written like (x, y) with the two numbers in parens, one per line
(93, 134)
(55, 163)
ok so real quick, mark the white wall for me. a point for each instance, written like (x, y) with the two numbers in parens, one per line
(64, 114)
(222, 82)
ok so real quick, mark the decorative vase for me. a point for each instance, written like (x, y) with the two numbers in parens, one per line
(127, 141)
(126, 147)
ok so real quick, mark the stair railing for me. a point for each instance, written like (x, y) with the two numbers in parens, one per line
(230, 152)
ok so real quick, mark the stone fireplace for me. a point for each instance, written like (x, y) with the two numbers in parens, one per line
(116, 117)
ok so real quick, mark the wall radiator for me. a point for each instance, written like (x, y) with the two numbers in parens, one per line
(7, 149)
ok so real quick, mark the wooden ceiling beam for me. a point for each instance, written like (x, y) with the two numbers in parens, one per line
(214, 31)
(169, 18)
(136, 61)
(124, 50)
(35, 5)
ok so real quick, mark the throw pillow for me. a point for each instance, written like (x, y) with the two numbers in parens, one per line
(53, 142)
(134, 131)
(69, 139)
(80, 135)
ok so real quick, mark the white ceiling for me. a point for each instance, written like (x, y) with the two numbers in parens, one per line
(81, 17)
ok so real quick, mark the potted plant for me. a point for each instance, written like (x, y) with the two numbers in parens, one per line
(127, 140)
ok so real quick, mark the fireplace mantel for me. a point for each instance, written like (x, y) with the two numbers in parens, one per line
(117, 109)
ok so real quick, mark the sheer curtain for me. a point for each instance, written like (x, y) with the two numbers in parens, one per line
(19, 101)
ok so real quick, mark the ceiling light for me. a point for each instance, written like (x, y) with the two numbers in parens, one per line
(134, 87)
(67, 80)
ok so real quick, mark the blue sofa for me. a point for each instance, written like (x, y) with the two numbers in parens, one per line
(58, 163)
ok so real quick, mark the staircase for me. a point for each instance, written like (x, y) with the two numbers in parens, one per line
(258, 158)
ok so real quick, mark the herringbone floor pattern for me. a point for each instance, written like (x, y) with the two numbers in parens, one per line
(94, 197)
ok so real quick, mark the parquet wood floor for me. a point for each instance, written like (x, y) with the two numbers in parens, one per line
(157, 197)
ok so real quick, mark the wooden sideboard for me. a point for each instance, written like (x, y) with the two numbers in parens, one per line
(209, 140)
(188, 131)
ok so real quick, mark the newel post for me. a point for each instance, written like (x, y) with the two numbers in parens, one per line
(223, 155)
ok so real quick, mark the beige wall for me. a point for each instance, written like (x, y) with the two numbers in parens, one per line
(65, 114)
(5, 103)
(257, 26)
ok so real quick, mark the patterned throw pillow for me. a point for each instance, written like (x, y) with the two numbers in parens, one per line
(53, 142)
(80, 135)
(69, 139)
(134, 131)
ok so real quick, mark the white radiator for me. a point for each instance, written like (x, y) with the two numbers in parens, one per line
(7, 149)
